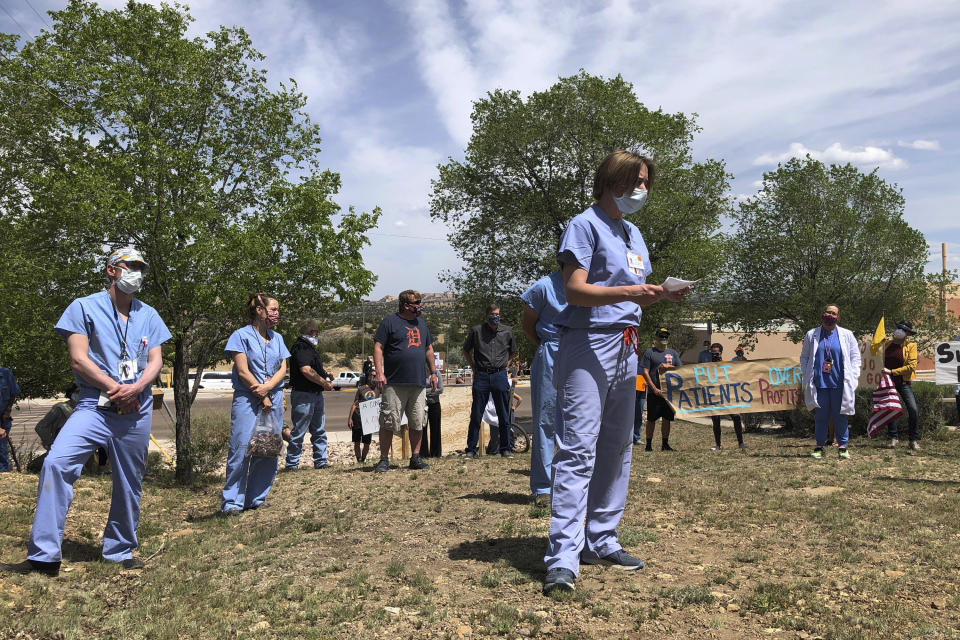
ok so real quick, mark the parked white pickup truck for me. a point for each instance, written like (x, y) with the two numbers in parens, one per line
(347, 380)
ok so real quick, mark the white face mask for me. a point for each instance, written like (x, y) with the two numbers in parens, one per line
(129, 281)
(631, 203)
(899, 334)
(311, 339)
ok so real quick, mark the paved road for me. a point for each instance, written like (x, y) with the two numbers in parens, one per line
(336, 406)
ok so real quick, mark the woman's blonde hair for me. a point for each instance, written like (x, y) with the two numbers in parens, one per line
(621, 168)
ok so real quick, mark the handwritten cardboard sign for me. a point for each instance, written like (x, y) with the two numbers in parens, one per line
(719, 388)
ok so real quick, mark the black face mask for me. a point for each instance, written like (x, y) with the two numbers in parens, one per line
(716, 357)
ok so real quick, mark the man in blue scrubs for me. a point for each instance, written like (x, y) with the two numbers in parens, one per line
(114, 342)
(8, 396)
(544, 300)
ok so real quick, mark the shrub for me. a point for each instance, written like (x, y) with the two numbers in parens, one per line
(929, 405)
(209, 440)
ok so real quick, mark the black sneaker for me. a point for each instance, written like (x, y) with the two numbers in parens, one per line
(559, 580)
(51, 569)
(667, 447)
(416, 462)
(470, 455)
(619, 559)
(383, 466)
(506, 454)
(648, 447)
(132, 563)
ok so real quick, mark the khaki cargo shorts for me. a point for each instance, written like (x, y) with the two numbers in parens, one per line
(400, 399)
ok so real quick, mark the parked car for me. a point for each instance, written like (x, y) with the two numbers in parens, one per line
(219, 380)
(347, 380)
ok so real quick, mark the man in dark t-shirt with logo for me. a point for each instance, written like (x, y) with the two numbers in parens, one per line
(403, 358)
(655, 361)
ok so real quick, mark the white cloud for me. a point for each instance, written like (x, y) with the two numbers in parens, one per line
(835, 154)
(399, 223)
(923, 145)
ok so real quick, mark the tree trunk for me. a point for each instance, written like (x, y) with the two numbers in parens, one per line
(181, 398)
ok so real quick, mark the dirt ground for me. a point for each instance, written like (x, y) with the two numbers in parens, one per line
(755, 543)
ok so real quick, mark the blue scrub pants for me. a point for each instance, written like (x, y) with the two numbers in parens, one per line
(830, 401)
(5, 448)
(543, 397)
(306, 409)
(596, 377)
(485, 385)
(125, 437)
(249, 478)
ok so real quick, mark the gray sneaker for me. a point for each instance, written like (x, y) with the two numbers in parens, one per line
(416, 462)
(914, 445)
(893, 443)
(382, 467)
(619, 559)
(559, 580)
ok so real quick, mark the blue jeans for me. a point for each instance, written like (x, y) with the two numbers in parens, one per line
(306, 410)
(638, 417)
(913, 416)
(830, 401)
(486, 385)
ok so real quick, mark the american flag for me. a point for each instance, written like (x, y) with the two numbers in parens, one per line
(886, 406)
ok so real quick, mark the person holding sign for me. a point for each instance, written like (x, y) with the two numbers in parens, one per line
(403, 359)
(366, 391)
(114, 343)
(605, 265)
(830, 370)
(716, 355)
(900, 362)
(655, 361)
(259, 367)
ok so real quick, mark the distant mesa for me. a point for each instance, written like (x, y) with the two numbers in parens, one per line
(426, 297)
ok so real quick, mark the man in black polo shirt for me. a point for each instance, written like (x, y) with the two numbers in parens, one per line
(487, 349)
(308, 379)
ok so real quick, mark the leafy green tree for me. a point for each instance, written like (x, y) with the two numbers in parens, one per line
(815, 235)
(128, 132)
(529, 168)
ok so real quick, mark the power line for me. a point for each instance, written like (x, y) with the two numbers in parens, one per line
(22, 30)
(38, 13)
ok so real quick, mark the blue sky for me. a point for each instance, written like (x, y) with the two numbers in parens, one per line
(391, 84)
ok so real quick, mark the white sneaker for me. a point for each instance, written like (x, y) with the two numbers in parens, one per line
(914, 445)
(893, 443)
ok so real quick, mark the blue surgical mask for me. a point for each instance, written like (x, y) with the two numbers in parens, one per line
(494, 318)
(631, 203)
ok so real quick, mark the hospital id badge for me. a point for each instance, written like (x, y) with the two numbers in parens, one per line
(635, 263)
(127, 370)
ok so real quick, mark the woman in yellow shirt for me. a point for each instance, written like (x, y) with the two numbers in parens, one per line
(900, 361)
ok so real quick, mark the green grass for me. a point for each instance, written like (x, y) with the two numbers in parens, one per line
(336, 555)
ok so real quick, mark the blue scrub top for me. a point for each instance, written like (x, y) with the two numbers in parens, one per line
(828, 343)
(599, 244)
(260, 354)
(8, 388)
(96, 317)
(548, 298)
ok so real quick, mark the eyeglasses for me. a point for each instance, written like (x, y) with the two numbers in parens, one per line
(414, 303)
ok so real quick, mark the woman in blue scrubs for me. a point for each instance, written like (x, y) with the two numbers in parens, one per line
(605, 266)
(259, 367)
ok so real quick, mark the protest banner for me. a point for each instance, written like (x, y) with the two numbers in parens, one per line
(946, 359)
(871, 366)
(719, 388)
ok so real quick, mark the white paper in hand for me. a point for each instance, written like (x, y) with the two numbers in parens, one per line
(676, 284)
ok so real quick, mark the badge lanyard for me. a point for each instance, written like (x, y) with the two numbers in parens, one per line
(263, 348)
(126, 328)
(626, 237)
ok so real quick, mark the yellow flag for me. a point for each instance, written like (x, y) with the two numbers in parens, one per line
(878, 337)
